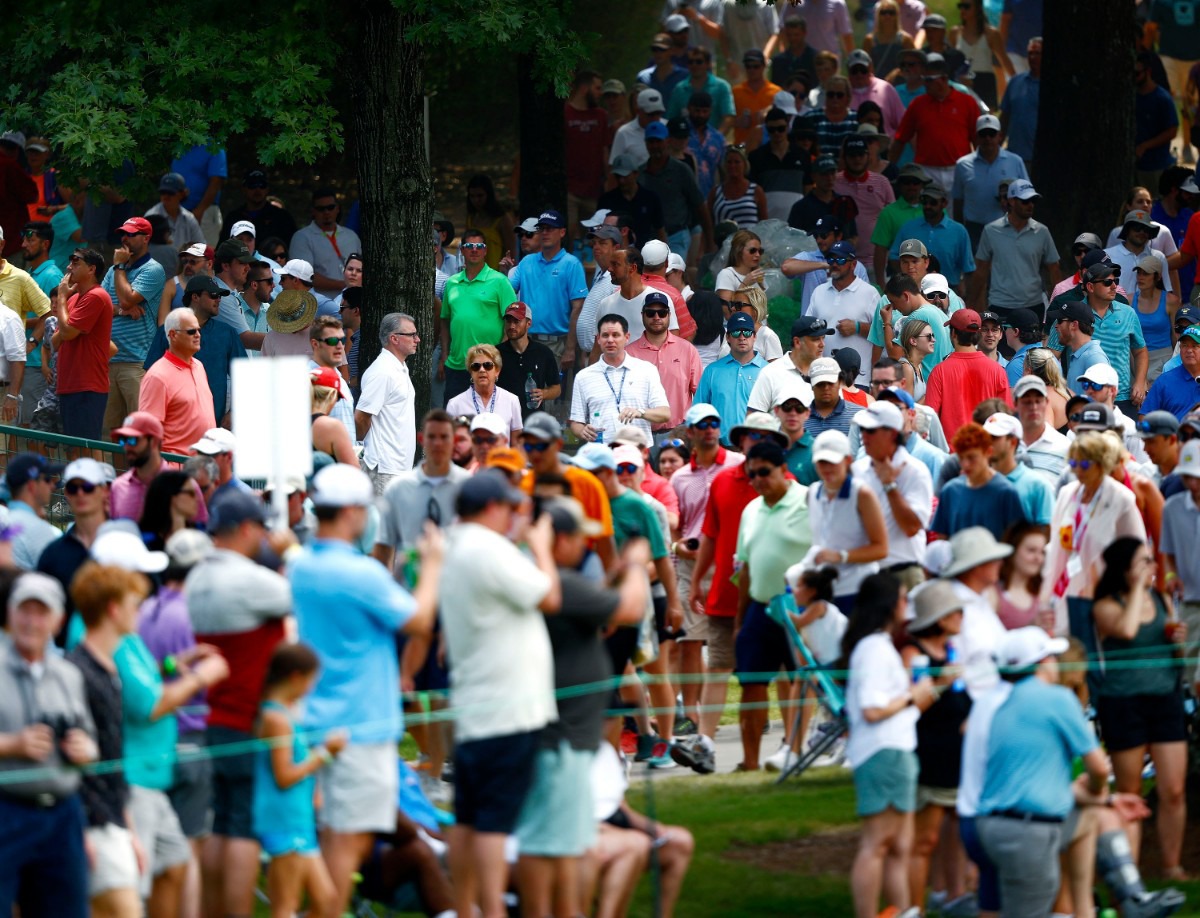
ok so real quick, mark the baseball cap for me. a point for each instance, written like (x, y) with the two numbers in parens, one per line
(699, 411)
(935, 283)
(880, 414)
(934, 192)
(912, 170)
(858, 57)
(785, 102)
(38, 143)
(656, 130)
(792, 389)
(912, 52)
(255, 178)
(1102, 374)
(1188, 315)
(676, 23)
(831, 446)
(934, 21)
(753, 56)
(16, 138)
(232, 508)
(1076, 311)
(678, 126)
(827, 224)
(993, 317)
(173, 183)
(233, 249)
(136, 225)
(1094, 416)
(612, 87)
(762, 422)
(506, 458)
(327, 377)
(656, 298)
(700, 99)
(595, 219)
(660, 42)
(605, 231)
(810, 327)
(824, 369)
(1191, 333)
(934, 61)
(298, 268)
(1023, 319)
(626, 453)
(825, 164)
(1099, 269)
(1022, 190)
(964, 320)
(1190, 183)
(899, 396)
(650, 101)
(188, 547)
(38, 587)
(551, 218)
(140, 424)
(1028, 384)
(197, 250)
(1157, 424)
(528, 225)
(1091, 240)
(593, 456)
(986, 122)
(567, 517)
(341, 485)
(739, 321)
(633, 436)
(841, 249)
(655, 252)
(217, 440)
(1189, 459)
(854, 144)
(490, 486)
(1002, 424)
(675, 263)
(124, 549)
(913, 247)
(519, 310)
(1149, 264)
(491, 422)
(1022, 648)
(202, 283)
(243, 226)
(848, 360)
(25, 467)
(542, 425)
(88, 470)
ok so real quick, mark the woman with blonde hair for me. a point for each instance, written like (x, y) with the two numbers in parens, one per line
(918, 341)
(483, 362)
(329, 435)
(1042, 363)
(767, 342)
(735, 197)
(885, 42)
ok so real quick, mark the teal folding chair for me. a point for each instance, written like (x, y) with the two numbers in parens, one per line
(829, 694)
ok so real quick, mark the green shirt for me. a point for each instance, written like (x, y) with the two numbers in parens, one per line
(799, 460)
(633, 517)
(149, 744)
(891, 218)
(475, 309)
(772, 539)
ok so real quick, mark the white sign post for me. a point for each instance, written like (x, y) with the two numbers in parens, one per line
(272, 421)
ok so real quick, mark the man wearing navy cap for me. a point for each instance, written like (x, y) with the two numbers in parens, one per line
(30, 478)
(728, 382)
(1185, 317)
(822, 200)
(553, 285)
(811, 265)
(808, 344)
(1074, 324)
(846, 303)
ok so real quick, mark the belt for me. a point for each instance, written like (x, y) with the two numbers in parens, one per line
(902, 566)
(1027, 817)
(548, 337)
(45, 801)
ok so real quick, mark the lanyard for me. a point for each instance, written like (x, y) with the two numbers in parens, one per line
(332, 237)
(491, 404)
(1081, 521)
(616, 392)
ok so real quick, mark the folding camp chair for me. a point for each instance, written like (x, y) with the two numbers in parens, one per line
(829, 693)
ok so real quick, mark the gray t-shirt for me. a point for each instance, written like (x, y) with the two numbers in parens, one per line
(1180, 535)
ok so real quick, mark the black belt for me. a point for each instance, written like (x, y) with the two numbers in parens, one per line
(902, 566)
(1027, 817)
(46, 801)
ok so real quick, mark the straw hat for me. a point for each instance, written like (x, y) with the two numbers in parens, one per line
(292, 311)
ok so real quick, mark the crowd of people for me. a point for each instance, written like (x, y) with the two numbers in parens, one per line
(974, 475)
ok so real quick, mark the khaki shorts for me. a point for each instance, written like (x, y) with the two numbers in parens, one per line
(718, 631)
(945, 797)
(693, 623)
(359, 789)
(114, 865)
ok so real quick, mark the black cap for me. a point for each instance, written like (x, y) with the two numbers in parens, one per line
(854, 144)
(700, 100)
(233, 508)
(202, 283)
(1096, 416)
(827, 223)
(234, 250)
(1023, 319)
(25, 467)
(1158, 424)
(989, 316)
(678, 127)
(754, 55)
(255, 178)
(848, 359)
(1099, 271)
(1075, 311)
(810, 327)
(487, 487)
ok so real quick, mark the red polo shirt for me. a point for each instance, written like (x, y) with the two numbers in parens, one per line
(944, 130)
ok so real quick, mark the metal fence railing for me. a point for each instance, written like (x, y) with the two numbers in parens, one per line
(64, 449)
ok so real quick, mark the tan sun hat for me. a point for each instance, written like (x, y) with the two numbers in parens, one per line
(292, 311)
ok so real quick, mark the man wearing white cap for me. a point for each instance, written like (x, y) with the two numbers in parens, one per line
(194, 259)
(1045, 447)
(488, 432)
(630, 138)
(1101, 383)
(830, 411)
(1036, 494)
(791, 404)
(85, 484)
(359, 681)
(656, 255)
(625, 267)
(1012, 253)
(219, 444)
(977, 176)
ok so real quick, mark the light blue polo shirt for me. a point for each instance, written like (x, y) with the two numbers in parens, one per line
(1015, 368)
(948, 240)
(1118, 333)
(549, 287)
(1037, 497)
(1175, 391)
(1036, 735)
(726, 385)
(1017, 259)
(1083, 360)
(976, 182)
(348, 609)
(927, 313)
(133, 336)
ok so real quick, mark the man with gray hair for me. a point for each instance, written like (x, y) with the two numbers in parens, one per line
(385, 417)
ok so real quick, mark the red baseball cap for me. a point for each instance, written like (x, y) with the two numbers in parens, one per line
(965, 320)
(135, 225)
(327, 377)
(518, 309)
(140, 424)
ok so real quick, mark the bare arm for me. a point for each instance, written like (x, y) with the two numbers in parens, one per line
(210, 197)
(362, 423)
(983, 273)
(798, 267)
(908, 521)
(704, 558)
(568, 357)
(252, 341)
(384, 554)
(164, 303)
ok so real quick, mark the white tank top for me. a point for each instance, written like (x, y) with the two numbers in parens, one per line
(978, 55)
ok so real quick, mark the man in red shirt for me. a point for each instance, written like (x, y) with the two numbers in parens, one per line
(966, 377)
(175, 388)
(85, 314)
(587, 147)
(728, 496)
(942, 120)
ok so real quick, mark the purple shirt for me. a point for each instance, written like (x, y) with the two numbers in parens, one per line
(166, 628)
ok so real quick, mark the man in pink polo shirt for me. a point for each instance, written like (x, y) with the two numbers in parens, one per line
(176, 389)
(866, 87)
(677, 360)
(869, 190)
(140, 438)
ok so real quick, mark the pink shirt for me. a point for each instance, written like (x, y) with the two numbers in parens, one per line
(127, 497)
(687, 325)
(691, 484)
(872, 193)
(678, 365)
(177, 392)
(883, 94)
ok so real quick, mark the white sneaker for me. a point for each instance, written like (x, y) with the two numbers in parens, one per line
(781, 760)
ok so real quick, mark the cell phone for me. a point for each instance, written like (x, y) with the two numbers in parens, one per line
(691, 544)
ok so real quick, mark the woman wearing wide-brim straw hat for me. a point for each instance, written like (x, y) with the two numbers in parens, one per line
(288, 318)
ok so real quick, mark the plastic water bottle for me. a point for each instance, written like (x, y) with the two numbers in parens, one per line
(596, 427)
(920, 667)
(951, 658)
(530, 386)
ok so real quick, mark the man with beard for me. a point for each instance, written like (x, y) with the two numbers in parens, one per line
(523, 358)
(587, 146)
(812, 265)
(140, 438)
(706, 143)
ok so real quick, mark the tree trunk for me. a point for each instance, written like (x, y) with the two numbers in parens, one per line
(394, 185)
(543, 139)
(1083, 163)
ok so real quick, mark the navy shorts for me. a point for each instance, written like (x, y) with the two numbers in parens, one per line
(492, 778)
(1140, 720)
(232, 784)
(82, 413)
(761, 647)
(432, 676)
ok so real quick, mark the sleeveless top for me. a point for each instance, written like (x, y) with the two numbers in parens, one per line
(491, 235)
(1142, 666)
(1156, 326)
(939, 733)
(743, 211)
(278, 811)
(836, 524)
(1013, 616)
(918, 379)
(886, 56)
(978, 54)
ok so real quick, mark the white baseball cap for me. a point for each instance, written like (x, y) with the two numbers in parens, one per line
(655, 252)
(1189, 459)
(824, 369)
(299, 269)
(341, 485)
(935, 283)
(1002, 424)
(216, 440)
(243, 226)
(491, 422)
(1102, 374)
(880, 414)
(831, 446)
(675, 263)
(124, 549)
(594, 220)
(1022, 648)
(88, 470)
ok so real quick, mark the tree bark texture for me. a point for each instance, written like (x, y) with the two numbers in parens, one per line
(543, 144)
(394, 183)
(1084, 162)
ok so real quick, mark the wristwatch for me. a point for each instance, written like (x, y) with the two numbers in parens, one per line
(889, 488)
(845, 556)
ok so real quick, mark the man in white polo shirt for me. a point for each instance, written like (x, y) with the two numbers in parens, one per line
(385, 417)
(808, 344)
(616, 389)
(1045, 447)
(847, 304)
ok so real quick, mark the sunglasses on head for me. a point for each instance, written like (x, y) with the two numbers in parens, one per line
(742, 333)
(656, 313)
(74, 487)
(761, 472)
(334, 342)
(673, 443)
(482, 365)
(626, 468)
(707, 424)
(473, 246)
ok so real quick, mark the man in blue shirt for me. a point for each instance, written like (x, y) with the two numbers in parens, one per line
(135, 283)
(1155, 123)
(977, 176)
(553, 284)
(727, 383)
(1035, 492)
(359, 681)
(1073, 324)
(1178, 390)
(204, 170)
(944, 238)
(663, 75)
(1019, 107)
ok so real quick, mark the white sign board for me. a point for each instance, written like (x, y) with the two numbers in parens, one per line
(272, 418)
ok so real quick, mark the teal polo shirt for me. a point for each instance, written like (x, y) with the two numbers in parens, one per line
(475, 309)
(149, 743)
(726, 385)
(47, 276)
(799, 460)
(927, 313)
(1119, 334)
(548, 286)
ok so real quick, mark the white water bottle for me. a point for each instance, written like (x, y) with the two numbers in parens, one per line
(596, 427)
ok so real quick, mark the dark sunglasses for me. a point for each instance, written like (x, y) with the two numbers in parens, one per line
(480, 440)
(753, 250)
(74, 487)
(837, 260)
(1080, 250)
(933, 295)
(989, 132)
(761, 472)
(535, 447)
(777, 129)
(281, 253)
(708, 424)
(482, 365)
(742, 333)
(190, 332)
(626, 468)
(858, 69)
(1107, 282)
(334, 342)
(74, 260)
(473, 246)
(835, 95)
(793, 406)
(656, 313)
(325, 208)
(128, 441)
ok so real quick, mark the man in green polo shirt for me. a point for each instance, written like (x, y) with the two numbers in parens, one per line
(906, 207)
(473, 305)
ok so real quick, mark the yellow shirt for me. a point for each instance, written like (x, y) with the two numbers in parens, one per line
(20, 292)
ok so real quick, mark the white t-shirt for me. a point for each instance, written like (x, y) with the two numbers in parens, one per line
(980, 637)
(631, 310)
(502, 667)
(507, 406)
(388, 395)
(857, 303)
(779, 373)
(916, 486)
(877, 677)
(12, 343)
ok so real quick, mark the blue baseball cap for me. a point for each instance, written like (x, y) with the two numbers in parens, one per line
(551, 218)
(739, 321)
(895, 393)
(841, 250)
(593, 456)
(656, 130)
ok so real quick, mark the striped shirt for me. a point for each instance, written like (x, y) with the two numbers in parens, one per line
(133, 336)
(742, 210)
(1119, 333)
(609, 389)
(589, 313)
(691, 484)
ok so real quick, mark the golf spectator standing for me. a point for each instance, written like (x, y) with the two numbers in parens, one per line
(1180, 531)
(587, 138)
(85, 320)
(13, 349)
(17, 191)
(1020, 105)
(940, 123)
(869, 191)
(977, 175)
(676, 360)
(553, 284)
(1177, 390)
(980, 496)
(617, 389)
(269, 219)
(325, 244)
(1012, 253)
(385, 418)
(36, 242)
(522, 358)
(31, 479)
(846, 303)
(966, 377)
(140, 437)
(1156, 123)
(134, 283)
(176, 388)
(728, 382)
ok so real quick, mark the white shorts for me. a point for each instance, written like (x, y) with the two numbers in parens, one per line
(114, 865)
(359, 789)
(158, 830)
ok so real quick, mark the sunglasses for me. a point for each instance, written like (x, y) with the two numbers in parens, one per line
(1080, 250)
(928, 336)
(707, 424)
(835, 95)
(535, 447)
(674, 443)
(792, 407)
(433, 511)
(626, 468)
(761, 472)
(933, 295)
(838, 260)
(1092, 386)
(74, 260)
(482, 365)
(190, 332)
(1084, 464)
(988, 132)
(822, 234)
(128, 441)
(324, 208)
(656, 313)
(753, 250)
(479, 440)
(1107, 282)
(777, 129)
(859, 69)
(334, 342)
(933, 77)
(411, 334)
(473, 246)
(75, 487)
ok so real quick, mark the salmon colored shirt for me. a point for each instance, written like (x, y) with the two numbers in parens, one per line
(176, 392)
